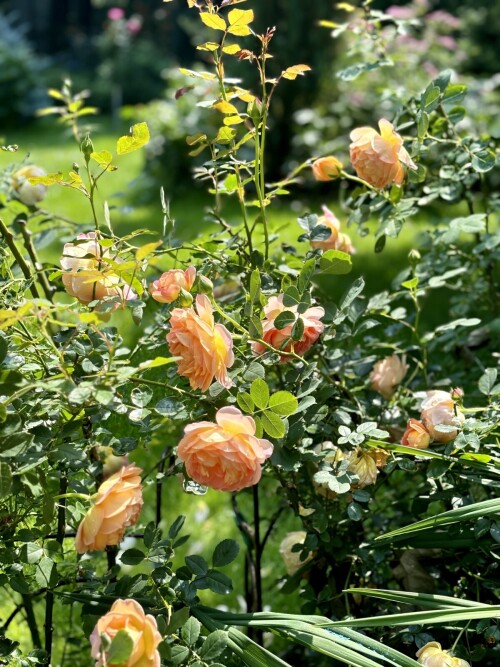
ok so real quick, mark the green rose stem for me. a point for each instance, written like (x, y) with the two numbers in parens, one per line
(49, 598)
(11, 243)
(28, 244)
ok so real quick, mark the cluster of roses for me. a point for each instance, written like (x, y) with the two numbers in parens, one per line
(440, 416)
(226, 454)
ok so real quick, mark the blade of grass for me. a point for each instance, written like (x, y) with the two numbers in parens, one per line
(419, 599)
(466, 513)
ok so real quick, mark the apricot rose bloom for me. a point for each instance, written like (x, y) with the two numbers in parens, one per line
(291, 559)
(379, 158)
(432, 655)
(128, 615)
(117, 505)
(337, 239)
(168, 287)
(25, 192)
(227, 455)
(89, 276)
(280, 339)
(416, 435)
(387, 374)
(205, 348)
(327, 168)
(439, 409)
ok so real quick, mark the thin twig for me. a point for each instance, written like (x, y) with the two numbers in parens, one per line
(11, 242)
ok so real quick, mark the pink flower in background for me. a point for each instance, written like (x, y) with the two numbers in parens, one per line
(205, 348)
(379, 158)
(387, 374)
(280, 339)
(444, 17)
(400, 12)
(115, 14)
(168, 287)
(129, 616)
(134, 24)
(227, 455)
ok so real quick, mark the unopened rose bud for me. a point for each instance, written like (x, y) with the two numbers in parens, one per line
(185, 298)
(206, 285)
(87, 148)
(254, 109)
(327, 168)
(457, 393)
(414, 257)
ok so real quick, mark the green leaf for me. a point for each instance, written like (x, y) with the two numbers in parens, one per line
(139, 137)
(254, 285)
(283, 403)
(422, 617)
(46, 573)
(272, 424)
(132, 557)
(245, 402)
(177, 620)
(335, 262)
(120, 648)
(419, 599)
(487, 381)
(298, 329)
(483, 161)
(191, 631)
(306, 274)
(454, 93)
(352, 293)
(422, 124)
(430, 98)
(5, 479)
(259, 392)
(197, 564)
(31, 553)
(216, 581)
(485, 507)
(284, 319)
(239, 20)
(213, 645)
(225, 552)
(410, 284)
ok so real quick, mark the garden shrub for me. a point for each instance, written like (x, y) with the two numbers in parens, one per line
(371, 433)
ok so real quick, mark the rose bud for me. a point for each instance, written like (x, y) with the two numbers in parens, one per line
(439, 409)
(326, 168)
(387, 374)
(416, 435)
(26, 193)
(168, 287)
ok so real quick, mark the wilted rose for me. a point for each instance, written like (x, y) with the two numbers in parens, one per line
(25, 192)
(416, 435)
(337, 239)
(292, 559)
(89, 276)
(117, 505)
(387, 374)
(326, 168)
(168, 287)
(129, 616)
(432, 655)
(364, 465)
(379, 158)
(205, 348)
(226, 455)
(281, 339)
(439, 409)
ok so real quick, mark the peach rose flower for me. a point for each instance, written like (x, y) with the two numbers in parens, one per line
(439, 409)
(89, 277)
(387, 374)
(416, 435)
(337, 239)
(379, 158)
(205, 348)
(128, 615)
(168, 287)
(327, 168)
(291, 559)
(117, 505)
(280, 339)
(364, 465)
(432, 655)
(227, 455)
(26, 193)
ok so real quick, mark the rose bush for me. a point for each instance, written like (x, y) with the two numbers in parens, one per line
(256, 367)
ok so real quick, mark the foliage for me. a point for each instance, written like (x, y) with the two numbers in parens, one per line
(327, 386)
